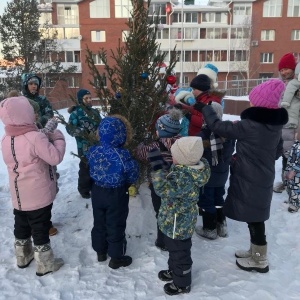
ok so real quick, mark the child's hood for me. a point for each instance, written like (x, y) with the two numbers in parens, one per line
(16, 111)
(114, 130)
(199, 174)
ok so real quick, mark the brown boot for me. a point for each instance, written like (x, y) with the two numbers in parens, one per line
(53, 231)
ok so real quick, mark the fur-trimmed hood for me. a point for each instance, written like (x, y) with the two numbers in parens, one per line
(266, 115)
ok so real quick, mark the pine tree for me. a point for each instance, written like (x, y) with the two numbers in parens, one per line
(137, 91)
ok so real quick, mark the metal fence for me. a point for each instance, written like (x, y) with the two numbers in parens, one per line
(239, 87)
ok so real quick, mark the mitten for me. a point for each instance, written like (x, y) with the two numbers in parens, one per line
(155, 158)
(285, 104)
(50, 126)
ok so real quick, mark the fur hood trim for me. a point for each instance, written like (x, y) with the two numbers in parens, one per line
(217, 93)
(267, 116)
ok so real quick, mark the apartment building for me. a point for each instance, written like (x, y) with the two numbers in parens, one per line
(243, 38)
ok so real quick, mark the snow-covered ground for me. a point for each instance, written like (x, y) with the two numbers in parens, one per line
(214, 274)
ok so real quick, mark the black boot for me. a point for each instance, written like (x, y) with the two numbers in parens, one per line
(116, 263)
(165, 275)
(221, 223)
(172, 289)
(209, 229)
(101, 257)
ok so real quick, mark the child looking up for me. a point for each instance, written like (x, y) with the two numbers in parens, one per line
(113, 170)
(179, 191)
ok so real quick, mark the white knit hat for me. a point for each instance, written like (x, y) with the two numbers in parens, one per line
(187, 150)
(211, 71)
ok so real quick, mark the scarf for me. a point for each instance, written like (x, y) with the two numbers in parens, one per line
(15, 130)
(216, 146)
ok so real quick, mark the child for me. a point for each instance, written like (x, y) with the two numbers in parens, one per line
(113, 171)
(167, 130)
(218, 152)
(177, 217)
(30, 158)
(50, 126)
(291, 99)
(201, 86)
(292, 177)
(259, 144)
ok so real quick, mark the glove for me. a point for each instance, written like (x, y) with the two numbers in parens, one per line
(199, 106)
(155, 158)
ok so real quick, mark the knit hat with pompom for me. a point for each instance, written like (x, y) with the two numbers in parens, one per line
(168, 125)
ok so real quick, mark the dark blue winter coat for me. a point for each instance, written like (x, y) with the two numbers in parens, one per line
(219, 173)
(111, 165)
(258, 136)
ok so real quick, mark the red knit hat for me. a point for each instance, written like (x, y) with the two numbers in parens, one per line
(287, 61)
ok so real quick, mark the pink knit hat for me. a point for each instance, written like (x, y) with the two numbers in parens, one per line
(267, 94)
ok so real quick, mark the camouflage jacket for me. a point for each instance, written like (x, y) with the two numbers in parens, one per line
(179, 192)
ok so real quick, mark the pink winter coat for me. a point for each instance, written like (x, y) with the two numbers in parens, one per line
(29, 156)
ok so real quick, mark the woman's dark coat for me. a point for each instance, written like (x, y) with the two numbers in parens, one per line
(259, 144)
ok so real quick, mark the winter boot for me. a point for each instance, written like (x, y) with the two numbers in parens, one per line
(165, 275)
(257, 261)
(24, 252)
(209, 229)
(45, 261)
(116, 263)
(244, 253)
(278, 187)
(221, 223)
(172, 289)
(292, 208)
(101, 257)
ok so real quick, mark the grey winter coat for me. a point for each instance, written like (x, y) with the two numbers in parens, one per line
(259, 144)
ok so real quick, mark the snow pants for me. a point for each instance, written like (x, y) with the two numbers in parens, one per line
(180, 260)
(35, 223)
(210, 197)
(84, 179)
(110, 210)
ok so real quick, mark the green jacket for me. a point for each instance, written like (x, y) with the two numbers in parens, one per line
(179, 191)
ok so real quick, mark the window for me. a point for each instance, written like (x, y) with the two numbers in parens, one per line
(240, 33)
(67, 14)
(293, 8)
(267, 35)
(125, 34)
(242, 9)
(163, 34)
(73, 82)
(123, 8)
(214, 17)
(266, 58)
(265, 75)
(98, 36)
(238, 55)
(97, 60)
(72, 56)
(157, 10)
(295, 35)
(100, 9)
(272, 8)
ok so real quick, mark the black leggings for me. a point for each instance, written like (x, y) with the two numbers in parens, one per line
(257, 233)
